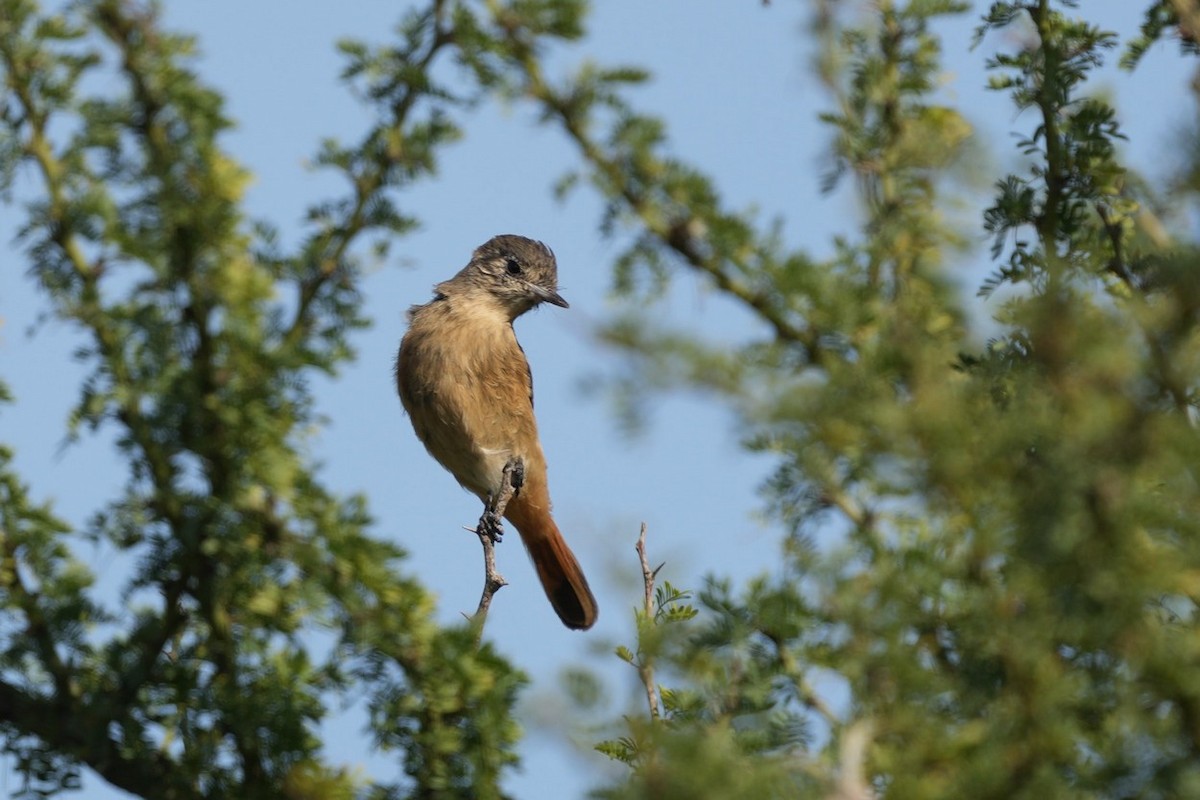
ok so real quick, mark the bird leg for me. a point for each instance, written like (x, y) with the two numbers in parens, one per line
(489, 531)
(513, 477)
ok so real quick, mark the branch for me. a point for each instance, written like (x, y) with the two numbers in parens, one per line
(1168, 375)
(82, 732)
(1048, 223)
(804, 690)
(36, 628)
(489, 530)
(679, 230)
(369, 182)
(645, 668)
(1117, 265)
(852, 756)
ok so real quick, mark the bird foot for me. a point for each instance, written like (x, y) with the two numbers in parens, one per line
(491, 525)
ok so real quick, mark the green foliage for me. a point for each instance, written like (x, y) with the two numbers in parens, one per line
(735, 726)
(1003, 598)
(1163, 18)
(258, 603)
(732, 729)
(1009, 601)
(1076, 183)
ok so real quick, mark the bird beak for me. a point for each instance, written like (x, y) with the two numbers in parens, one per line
(548, 295)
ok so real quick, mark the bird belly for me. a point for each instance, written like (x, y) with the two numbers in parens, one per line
(465, 408)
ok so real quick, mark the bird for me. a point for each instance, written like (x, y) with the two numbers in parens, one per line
(467, 388)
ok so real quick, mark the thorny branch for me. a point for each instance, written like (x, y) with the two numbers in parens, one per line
(645, 668)
(489, 531)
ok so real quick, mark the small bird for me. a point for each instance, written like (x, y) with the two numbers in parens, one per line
(466, 385)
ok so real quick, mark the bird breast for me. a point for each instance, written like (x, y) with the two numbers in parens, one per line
(465, 382)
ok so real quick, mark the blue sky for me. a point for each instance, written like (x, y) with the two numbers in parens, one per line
(733, 84)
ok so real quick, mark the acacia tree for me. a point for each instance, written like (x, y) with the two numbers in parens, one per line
(1013, 605)
(259, 603)
(1011, 602)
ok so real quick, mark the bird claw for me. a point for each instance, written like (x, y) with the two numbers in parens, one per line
(491, 526)
(491, 523)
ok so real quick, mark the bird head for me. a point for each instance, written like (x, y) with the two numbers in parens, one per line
(519, 273)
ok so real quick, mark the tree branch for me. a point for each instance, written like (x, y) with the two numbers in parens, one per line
(83, 732)
(368, 183)
(852, 782)
(646, 668)
(36, 626)
(1048, 222)
(489, 530)
(679, 229)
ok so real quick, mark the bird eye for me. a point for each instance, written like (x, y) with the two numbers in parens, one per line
(513, 266)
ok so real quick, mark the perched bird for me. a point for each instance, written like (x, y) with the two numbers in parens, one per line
(465, 383)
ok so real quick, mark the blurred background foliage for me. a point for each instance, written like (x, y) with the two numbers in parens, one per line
(1009, 604)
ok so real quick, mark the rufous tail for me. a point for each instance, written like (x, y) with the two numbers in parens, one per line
(560, 573)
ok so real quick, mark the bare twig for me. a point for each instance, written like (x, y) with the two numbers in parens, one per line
(647, 573)
(645, 667)
(490, 530)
